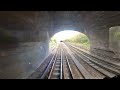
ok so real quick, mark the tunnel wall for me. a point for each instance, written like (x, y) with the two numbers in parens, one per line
(23, 61)
(28, 34)
(99, 39)
(98, 24)
(114, 40)
(20, 58)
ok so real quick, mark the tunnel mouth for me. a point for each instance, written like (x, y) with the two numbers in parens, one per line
(70, 36)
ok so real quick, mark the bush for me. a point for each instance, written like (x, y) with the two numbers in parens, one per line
(80, 39)
(53, 42)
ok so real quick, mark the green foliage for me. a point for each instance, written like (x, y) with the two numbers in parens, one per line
(53, 42)
(80, 39)
(117, 35)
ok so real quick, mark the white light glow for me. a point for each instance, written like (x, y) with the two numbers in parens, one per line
(66, 34)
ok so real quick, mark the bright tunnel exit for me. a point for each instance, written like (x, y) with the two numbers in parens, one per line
(63, 35)
(71, 36)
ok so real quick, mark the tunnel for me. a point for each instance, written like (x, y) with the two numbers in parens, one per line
(25, 36)
(70, 36)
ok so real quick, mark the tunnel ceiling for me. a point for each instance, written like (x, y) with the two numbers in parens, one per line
(55, 20)
(25, 36)
(32, 20)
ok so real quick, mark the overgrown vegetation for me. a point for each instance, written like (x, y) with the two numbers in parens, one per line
(53, 42)
(117, 35)
(81, 40)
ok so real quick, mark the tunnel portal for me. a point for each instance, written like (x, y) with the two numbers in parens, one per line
(25, 35)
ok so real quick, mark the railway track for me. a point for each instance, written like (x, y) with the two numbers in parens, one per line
(58, 65)
(56, 70)
(70, 62)
(106, 68)
(70, 69)
(47, 69)
(86, 70)
(62, 67)
(66, 66)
